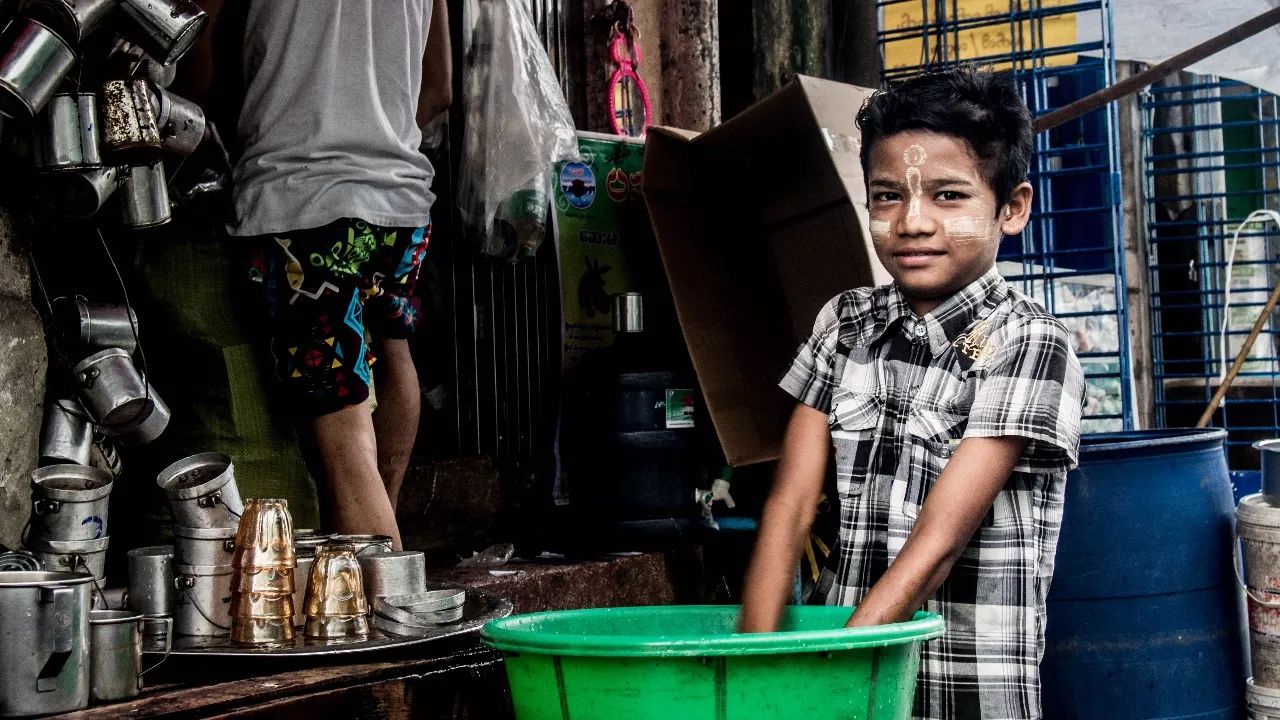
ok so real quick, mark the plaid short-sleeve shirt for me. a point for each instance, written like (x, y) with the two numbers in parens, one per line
(902, 392)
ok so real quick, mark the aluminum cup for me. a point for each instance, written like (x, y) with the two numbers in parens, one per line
(166, 29)
(74, 20)
(111, 388)
(181, 122)
(78, 193)
(33, 62)
(66, 435)
(129, 132)
(144, 196)
(151, 580)
(67, 139)
(84, 326)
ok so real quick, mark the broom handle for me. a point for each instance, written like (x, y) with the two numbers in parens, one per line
(1240, 358)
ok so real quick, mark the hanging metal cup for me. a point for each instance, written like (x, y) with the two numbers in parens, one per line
(66, 434)
(112, 388)
(84, 326)
(166, 29)
(68, 139)
(180, 121)
(144, 200)
(148, 426)
(129, 133)
(33, 61)
(74, 20)
(79, 193)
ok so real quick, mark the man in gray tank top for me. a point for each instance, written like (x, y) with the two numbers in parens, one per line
(332, 198)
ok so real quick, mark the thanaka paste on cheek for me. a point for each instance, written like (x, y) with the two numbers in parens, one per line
(968, 229)
(879, 230)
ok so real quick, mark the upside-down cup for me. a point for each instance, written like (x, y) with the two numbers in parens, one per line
(335, 602)
(265, 535)
(265, 580)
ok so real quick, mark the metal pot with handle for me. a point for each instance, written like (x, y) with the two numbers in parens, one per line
(44, 642)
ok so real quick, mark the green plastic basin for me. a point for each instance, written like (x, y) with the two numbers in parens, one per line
(677, 662)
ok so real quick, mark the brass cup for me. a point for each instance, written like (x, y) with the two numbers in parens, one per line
(335, 594)
(256, 605)
(261, 631)
(265, 535)
(265, 580)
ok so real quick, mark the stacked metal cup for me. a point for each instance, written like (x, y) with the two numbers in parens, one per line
(262, 582)
(68, 523)
(305, 543)
(336, 606)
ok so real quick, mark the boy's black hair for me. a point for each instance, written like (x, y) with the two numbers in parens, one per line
(982, 108)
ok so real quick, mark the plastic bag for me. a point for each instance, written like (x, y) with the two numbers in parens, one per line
(518, 125)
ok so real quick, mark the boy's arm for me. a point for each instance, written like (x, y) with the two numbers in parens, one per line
(952, 512)
(436, 93)
(787, 519)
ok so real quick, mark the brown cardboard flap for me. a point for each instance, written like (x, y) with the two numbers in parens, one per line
(758, 225)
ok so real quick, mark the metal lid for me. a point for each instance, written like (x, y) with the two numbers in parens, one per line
(45, 578)
(1268, 445)
(628, 312)
(1255, 510)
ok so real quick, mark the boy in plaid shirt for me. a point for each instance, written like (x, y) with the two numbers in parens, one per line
(953, 402)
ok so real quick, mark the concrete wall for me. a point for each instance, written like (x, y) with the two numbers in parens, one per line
(22, 376)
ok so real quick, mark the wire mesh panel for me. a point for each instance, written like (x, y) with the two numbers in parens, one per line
(1212, 148)
(1069, 257)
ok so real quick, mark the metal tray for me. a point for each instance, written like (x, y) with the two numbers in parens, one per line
(479, 608)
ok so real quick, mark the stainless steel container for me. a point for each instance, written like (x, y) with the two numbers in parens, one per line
(78, 194)
(202, 491)
(166, 29)
(69, 503)
(204, 546)
(364, 544)
(85, 326)
(66, 435)
(203, 603)
(33, 61)
(44, 659)
(1269, 451)
(74, 20)
(151, 580)
(129, 132)
(628, 313)
(73, 556)
(393, 573)
(180, 121)
(150, 427)
(115, 654)
(68, 137)
(111, 388)
(144, 198)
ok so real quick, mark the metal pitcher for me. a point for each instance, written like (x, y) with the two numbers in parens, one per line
(180, 121)
(115, 654)
(202, 491)
(166, 29)
(85, 326)
(74, 20)
(144, 198)
(68, 139)
(69, 503)
(79, 194)
(44, 656)
(129, 133)
(33, 61)
(111, 388)
(66, 435)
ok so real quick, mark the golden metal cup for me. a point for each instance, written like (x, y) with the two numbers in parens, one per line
(265, 535)
(261, 631)
(335, 595)
(265, 580)
(261, 605)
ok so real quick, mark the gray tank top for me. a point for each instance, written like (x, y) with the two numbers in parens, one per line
(328, 123)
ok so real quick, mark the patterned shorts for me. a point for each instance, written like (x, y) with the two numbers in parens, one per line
(325, 291)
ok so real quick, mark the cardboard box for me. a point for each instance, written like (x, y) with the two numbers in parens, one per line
(760, 221)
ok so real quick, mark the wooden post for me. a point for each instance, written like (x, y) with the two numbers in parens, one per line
(791, 36)
(690, 64)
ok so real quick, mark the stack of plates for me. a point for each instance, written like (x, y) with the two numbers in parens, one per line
(418, 614)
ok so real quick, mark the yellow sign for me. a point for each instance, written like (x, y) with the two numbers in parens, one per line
(977, 38)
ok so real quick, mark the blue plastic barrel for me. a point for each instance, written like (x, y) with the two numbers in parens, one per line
(1144, 618)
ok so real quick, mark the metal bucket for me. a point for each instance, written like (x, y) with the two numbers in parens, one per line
(180, 121)
(74, 20)
(151, 580)
(129, 132)
(68, 139)
(149, 427)
(44, 659)
(84, 326)
(1269, 451)
(66, 435)
(204, 546)
(144, 199)
(364, 544)
(203, 603)
(1264, 703)
(1258, 524)
(79, 194)
(73, 556)
(69, 503)
(112, 388)
(202, 491)
(393, 573)
(33, 61)
(166, 29)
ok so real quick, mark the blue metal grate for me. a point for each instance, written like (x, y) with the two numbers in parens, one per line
(1211, 156)
(1070, 256)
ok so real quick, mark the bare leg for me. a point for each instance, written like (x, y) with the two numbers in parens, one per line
(348, 450)
(395, 420)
